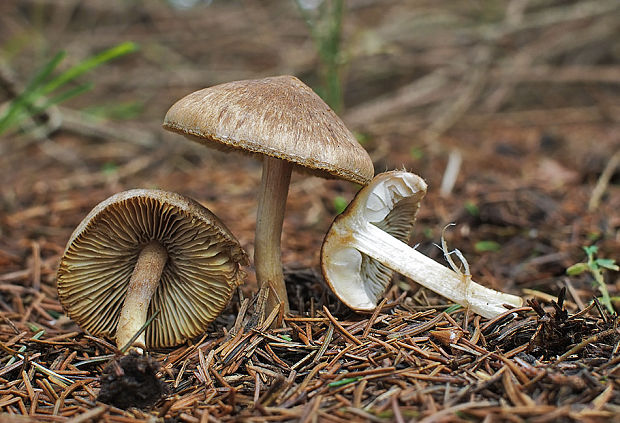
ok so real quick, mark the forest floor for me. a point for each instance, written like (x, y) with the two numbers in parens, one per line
(525, 94)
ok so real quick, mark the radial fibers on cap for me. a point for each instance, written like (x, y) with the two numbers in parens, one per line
(277, 116)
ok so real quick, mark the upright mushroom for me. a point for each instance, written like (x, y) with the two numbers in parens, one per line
(283, 121)
(366, 243)
(143, 251)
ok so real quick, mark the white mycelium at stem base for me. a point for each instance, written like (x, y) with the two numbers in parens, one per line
(142, 286)
(355, 239)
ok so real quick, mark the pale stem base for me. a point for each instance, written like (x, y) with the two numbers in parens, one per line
(142, 285)
(405, 260)
(271, 205)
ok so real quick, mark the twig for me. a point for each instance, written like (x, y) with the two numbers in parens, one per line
(451, 110)
(146, 324)
(551, 16)
(83, 124)
(89, 415)
(438, 416)
(340, 328)
(451, 173)
(584, 343)
(417, 93)
(603, 181)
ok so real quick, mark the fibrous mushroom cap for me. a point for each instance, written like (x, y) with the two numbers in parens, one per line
(390, 202)
(198, 280)
(277, 116)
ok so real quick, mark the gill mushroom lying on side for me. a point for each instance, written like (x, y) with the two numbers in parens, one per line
(286, 124)
(145, 251)
(366, 243)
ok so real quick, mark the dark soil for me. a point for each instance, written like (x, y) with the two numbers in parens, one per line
(131, 381)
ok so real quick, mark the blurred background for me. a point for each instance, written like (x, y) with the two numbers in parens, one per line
(509, 109)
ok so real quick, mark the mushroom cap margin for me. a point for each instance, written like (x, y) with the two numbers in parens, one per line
(277, 116)
(390, 202)
(98, 261)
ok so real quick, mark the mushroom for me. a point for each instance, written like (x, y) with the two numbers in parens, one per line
(366, 243)
(283, 121)
(145, 251)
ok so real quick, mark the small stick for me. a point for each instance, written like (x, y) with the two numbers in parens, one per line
(455, 159)
(90, 415)
(177, 381)
(67, 360)
(583, 344)
(306, 319)
(340, 354)
(574, 293)
(256, 388)
(372, 319)
(358, 392)
(28, 386)
(36, 266)
(603, 182)
(310, 409)
(340, 327)
(137, 334)
(398, 416)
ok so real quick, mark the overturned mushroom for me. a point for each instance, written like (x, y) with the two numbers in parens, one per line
(366, 243)
(145, 251)
(284, 122)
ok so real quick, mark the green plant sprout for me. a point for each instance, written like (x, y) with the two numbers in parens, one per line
(416, 153)
(109, 168)
(326, 28)
(487, 245)
(44, 90)
(340, 203)
(596, 266)
(472, 208)
(452, 308)
(362, 137)
(344, 381)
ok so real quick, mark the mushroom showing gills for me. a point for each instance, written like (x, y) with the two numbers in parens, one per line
(143, 251)
(284, 122)
(365, 244)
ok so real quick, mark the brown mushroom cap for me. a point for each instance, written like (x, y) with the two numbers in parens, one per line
(197, 282)
(279, 117)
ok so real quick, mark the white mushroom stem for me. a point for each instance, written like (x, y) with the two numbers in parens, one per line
(400, 257)
(142, 285)
(271, 205)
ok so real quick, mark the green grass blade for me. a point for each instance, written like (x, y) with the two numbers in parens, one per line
(344, 381)
(26, 103)
(64, 96)
(15, 111)
(88, 65)
(453, 307)
(325, 27)
(43, 74)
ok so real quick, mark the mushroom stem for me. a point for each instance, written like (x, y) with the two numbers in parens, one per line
(270, 216)
(142, 285)
(400, 257)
